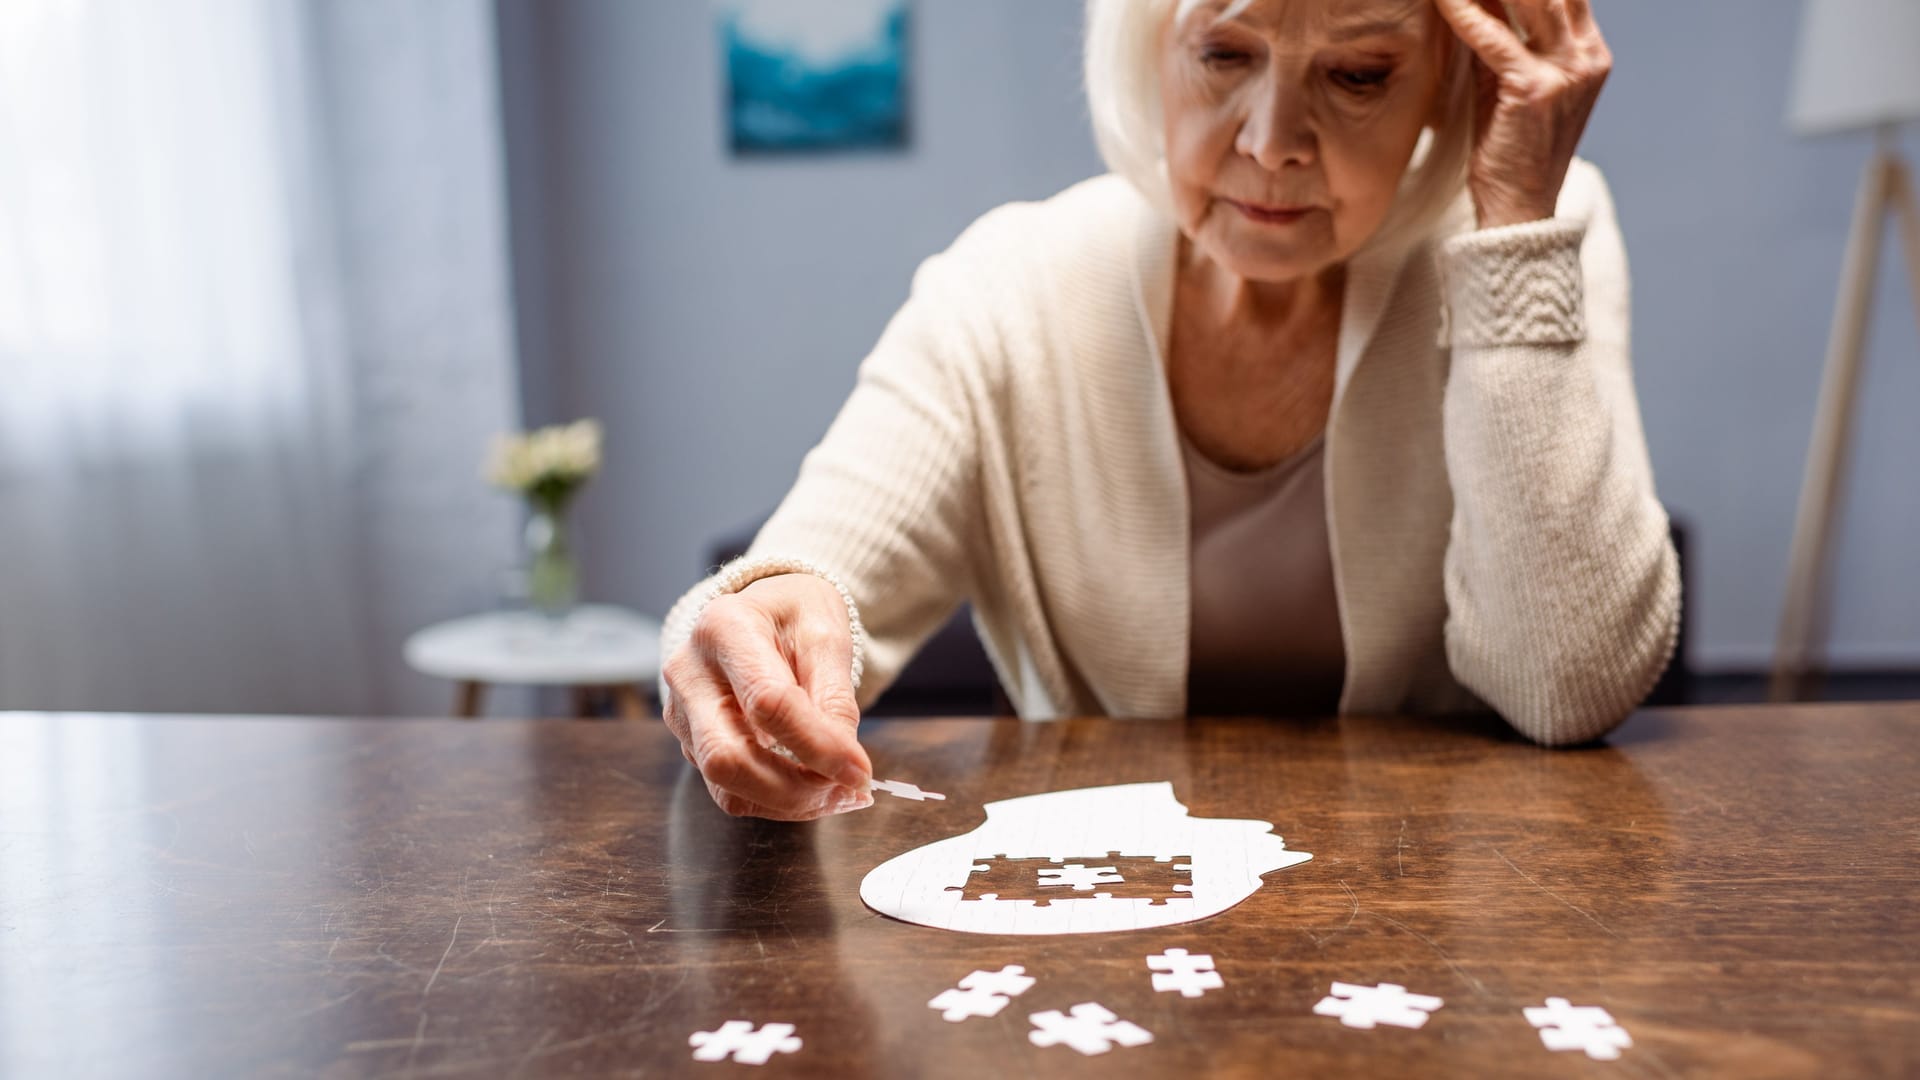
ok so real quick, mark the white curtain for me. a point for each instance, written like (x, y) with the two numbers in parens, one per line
(254, 334)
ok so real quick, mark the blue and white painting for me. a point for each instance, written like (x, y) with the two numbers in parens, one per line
(810, 75)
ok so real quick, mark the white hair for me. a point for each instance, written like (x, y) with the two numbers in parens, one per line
(1123, 96)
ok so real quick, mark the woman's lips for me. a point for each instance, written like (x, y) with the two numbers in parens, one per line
(1271, 215)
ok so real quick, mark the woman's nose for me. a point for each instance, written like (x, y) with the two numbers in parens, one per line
(1275, 132)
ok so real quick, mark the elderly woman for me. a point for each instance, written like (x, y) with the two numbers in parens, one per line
(1321, 400)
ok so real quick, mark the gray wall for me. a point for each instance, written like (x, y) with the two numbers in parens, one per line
(414, 145)
(1735, 231)
(713, 311)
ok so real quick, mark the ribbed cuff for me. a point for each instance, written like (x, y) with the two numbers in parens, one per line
(744, 571)
(1513, 285)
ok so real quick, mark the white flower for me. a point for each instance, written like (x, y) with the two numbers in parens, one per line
(563, 456)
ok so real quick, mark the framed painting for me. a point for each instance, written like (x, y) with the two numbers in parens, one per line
(809, 76)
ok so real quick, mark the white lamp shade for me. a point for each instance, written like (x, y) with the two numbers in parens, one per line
(1858, 65)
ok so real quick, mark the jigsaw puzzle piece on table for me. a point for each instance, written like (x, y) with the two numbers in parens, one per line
(904, 790)
(1191, 974)
(982, 993)
(738, 1039)
(1365, 1006)
(1566, 1026)
(1079, 876)
(1091, 1029)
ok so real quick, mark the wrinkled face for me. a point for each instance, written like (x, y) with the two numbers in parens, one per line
(1289, 126)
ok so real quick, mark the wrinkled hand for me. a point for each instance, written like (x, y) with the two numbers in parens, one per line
(1534, 98)
(771, 665)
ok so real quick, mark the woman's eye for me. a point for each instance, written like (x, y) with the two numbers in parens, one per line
(1361, 80)
(1216, 56)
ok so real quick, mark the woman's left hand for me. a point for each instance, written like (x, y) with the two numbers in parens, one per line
(1534, 97)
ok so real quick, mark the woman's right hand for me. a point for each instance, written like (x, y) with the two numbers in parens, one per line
(771, 666)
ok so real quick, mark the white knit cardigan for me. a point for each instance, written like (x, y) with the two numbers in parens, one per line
(1011, 441)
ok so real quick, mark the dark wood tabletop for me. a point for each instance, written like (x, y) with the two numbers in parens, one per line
(200, 896)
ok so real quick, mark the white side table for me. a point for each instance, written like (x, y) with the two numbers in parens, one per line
(597, 650)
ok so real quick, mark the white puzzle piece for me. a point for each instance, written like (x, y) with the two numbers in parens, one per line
(1091, 1029)
(1080, 877)
(1388, 1003)
(1192, 975)
(1153, 865)
(1566, 1026)
(903, 790)
(738, 1039)
(983, 993)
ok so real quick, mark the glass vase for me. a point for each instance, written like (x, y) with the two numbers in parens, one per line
(553, 582)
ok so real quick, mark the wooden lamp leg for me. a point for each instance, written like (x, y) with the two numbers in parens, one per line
(469, 697)
(584, 701)
(1907, 210)
(632, 705)
(1805, 610)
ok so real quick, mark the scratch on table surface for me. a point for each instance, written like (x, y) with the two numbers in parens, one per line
(419, 1034)
(1588, 915)
(661, 927)
(1645, 1057)
(169, 887)
(484, 1065)
(380, 951)
(428, 989)
(362, 1046)
(583, 928)
(607, 889)
(658, 996)
(1400, 848)
(1351, 915)
(634, 780)
(531, 1051)
(787, 929)
(325, 1005)
(1707, 796)
(498, 968)
(773, 892)
(1477, 985)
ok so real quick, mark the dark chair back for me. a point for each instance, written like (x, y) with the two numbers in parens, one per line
(951, 675)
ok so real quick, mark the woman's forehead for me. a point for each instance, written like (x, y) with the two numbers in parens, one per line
(1336, 19)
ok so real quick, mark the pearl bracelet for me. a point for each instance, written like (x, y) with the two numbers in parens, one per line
(744, 571)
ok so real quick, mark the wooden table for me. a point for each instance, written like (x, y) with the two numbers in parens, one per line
(194, 897)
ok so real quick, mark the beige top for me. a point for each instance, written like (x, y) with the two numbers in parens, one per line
(1011, 440)
(1266, 624)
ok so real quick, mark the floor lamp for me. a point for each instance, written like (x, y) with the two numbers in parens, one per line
(1858, 68)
